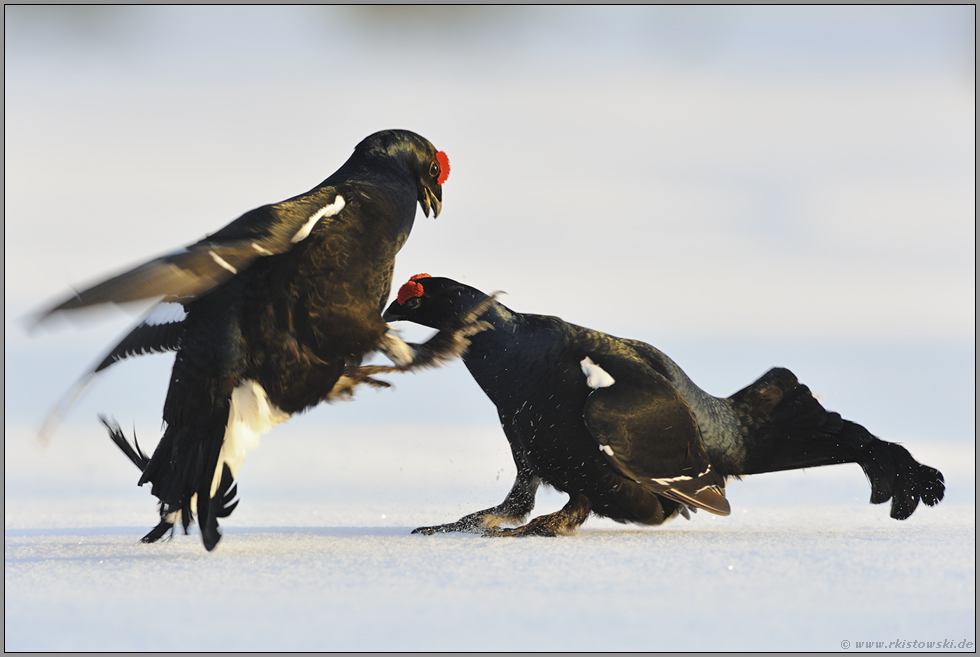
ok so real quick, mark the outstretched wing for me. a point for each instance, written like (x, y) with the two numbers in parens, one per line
(191, 272)
(648, 433)
(158, 332)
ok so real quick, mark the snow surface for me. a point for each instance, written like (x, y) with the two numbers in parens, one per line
(790, 186)
(793, 579)
(319, 556)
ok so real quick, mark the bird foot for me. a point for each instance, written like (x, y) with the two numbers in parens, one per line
(444, 346)
(560, 523)
(448, 344)
(469, 325)
(441, 529)
(530, 529)
(344, 387)
(475, 523)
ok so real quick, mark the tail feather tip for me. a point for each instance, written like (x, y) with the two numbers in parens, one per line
(895, 475)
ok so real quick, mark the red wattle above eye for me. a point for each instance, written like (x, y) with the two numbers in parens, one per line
(409, 290)
(443, 161)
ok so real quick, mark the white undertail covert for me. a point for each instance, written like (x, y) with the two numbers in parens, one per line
(251, 415)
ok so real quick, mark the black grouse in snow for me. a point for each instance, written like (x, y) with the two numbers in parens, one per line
(270, 316)
(621, 429)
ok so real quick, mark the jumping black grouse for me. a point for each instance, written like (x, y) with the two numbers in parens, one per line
(621, 429)
(274, 313)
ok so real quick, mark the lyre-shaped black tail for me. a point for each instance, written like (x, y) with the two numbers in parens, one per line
(787, 429)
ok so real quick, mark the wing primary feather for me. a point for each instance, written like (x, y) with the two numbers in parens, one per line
(65, 404)
(181, 276)
(145, 338)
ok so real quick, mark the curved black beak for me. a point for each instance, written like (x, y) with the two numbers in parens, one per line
(431, 198)
(395, 312)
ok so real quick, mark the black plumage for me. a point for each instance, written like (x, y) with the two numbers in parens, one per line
(274, 314)
(621, 429)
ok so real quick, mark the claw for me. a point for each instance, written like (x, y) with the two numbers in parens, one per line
(345, 385)
(468, 326)
(467, 320)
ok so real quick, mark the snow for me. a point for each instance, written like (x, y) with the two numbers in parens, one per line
(319, 556)
(780, 582)
(791, 186)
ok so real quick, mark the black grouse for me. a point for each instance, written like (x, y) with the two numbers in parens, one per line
(621, 429)
(270, 316)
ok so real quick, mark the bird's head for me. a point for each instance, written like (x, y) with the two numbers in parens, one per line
(438, 303)
(428, 167)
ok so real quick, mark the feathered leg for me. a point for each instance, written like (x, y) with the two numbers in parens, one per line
(561, 522)
(444, 346)
(514, 509)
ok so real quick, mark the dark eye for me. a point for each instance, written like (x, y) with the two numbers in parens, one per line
(412, 303)
(434, 169)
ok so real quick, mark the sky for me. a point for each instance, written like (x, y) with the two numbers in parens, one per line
(741, 187)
